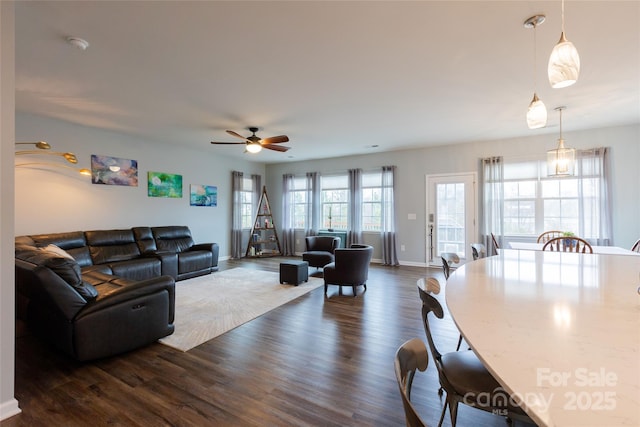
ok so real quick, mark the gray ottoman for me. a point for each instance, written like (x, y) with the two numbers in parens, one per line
(294, 272)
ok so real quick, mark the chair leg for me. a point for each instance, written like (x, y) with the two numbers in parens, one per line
(354, 290)
(325, 289)
(444, 410)
(459, 342)
(453, 411)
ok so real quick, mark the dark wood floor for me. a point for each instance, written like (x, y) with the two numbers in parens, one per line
(315, 361)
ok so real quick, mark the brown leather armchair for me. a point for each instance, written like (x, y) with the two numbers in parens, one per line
(351, 268)
(320, 250)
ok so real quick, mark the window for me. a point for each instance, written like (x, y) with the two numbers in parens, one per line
(246, 202)
(334, 201)
(299, 200)
(534, 202)
(372, 201)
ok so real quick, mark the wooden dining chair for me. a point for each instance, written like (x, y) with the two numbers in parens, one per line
(411, 356)
(568, 244)
(636, 246)
(548, 235)
(461, 374)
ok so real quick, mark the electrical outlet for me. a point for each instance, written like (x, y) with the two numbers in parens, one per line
(297, 241)
(402, 248)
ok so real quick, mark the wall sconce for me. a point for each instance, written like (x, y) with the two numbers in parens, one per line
(82, 171)
(69, 157)
(43, 146)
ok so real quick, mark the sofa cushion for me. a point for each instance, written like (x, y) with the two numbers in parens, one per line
(73, 242)
(176, 238)
(61, 263)
(145, 240)
(108, 246)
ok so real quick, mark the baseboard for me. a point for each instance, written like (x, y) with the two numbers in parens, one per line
(9, 409)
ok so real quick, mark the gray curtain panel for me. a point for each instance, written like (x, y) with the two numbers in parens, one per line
(492, 212)
(595, 203)
(236, 215)
(388, 234)
(354, 235)
(288, 229)
(312, 222)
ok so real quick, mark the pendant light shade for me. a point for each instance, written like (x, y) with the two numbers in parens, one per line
(537, 111)
(564, 62)
(562, 160)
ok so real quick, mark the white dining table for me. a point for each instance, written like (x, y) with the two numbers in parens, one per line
(605, 250)
(560, 331)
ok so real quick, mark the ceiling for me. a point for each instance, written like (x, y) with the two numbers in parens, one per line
(339, 78)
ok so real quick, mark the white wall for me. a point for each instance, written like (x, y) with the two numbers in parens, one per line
(8, 404)
(414, 165)
(55, 200)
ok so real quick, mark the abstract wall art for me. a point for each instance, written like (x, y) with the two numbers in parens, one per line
(114, 171)
(162, 184)
(204, 195)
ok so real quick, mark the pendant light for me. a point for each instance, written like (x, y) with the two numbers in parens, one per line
(564, 62)
(537, 111)
(561, 161)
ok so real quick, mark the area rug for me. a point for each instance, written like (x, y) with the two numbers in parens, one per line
(208, 306)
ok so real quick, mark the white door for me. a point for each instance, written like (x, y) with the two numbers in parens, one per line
(451, 216)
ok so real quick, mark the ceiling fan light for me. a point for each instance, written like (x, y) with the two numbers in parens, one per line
(254, 147)
(564, 64)
(537, 113)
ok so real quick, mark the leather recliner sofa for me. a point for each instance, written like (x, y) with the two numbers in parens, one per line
(98, 293)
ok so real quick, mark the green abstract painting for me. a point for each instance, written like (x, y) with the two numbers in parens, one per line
(164, 185)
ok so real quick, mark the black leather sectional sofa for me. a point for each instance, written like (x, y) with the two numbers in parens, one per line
(99, 293)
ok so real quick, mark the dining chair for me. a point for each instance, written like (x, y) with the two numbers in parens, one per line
(548, 235)
(496, 246)
(411, 356)
(448, 259)
(568, 244)
(478, 250)
(462, 375)
(636, 246)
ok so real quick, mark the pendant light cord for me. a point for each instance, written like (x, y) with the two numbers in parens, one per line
(535, 60)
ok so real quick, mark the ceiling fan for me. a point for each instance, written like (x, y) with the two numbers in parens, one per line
(254, 144)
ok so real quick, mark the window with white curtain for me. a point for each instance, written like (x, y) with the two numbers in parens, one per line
(534, 203)
(246, 201)
(372, 201)
(334, 200)
(299, 200)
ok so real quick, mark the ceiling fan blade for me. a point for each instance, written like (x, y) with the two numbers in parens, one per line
(280, 148)
(275, 140)
(228, 143)
(237, 135)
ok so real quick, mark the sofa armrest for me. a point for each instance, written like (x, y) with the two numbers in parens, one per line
(213, 247)
(168, 262)
(134, 291)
